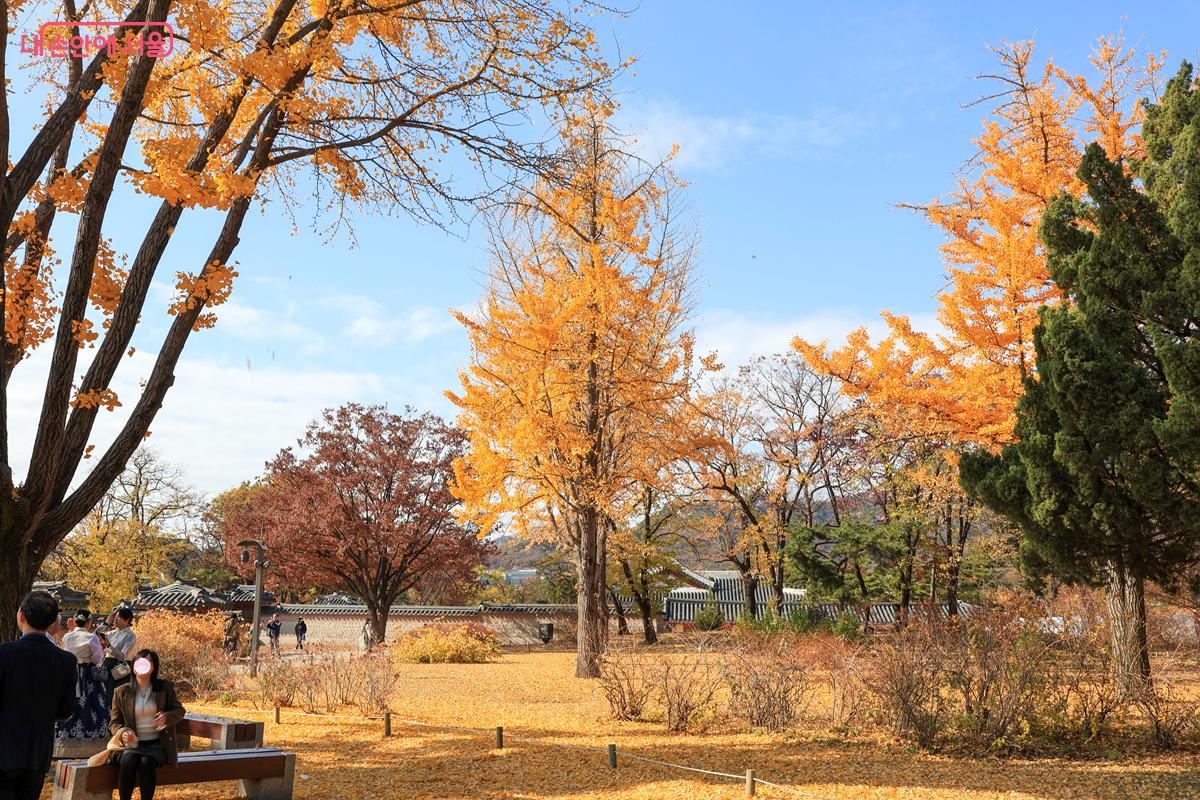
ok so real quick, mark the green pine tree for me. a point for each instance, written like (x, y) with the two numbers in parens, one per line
(1104, 479)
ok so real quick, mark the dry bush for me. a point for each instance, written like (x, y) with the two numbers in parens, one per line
(331, 684)
(456, 643)
(906, 674)
(769, 686)
(687, 687)
(840, 662)
(996, 666)
(377, 685)
(627, 683)
(190, 648)
(978, 682)
(278, 683)
(1171, 714)
(1082, 695)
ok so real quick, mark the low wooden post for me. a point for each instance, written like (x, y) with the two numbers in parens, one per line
(612, 756)
(499, 737)
(276, 715)
(749, 783)
(387, 723)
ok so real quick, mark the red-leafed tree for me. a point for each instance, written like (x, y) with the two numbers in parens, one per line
(363, 504)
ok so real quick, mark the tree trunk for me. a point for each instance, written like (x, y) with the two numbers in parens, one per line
(622, 623)
(1126, 599)
(590, 610)
(750, 586)
(905, 594)
(378, 622)
(17, 573)
(649, 634)
(19, 564)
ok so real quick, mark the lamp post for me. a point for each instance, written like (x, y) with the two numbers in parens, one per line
(259, 563)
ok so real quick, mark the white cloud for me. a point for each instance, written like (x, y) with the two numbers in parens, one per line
(372, 324)
(220, 422)
(737, 337)
(710, 142)
(238, 318)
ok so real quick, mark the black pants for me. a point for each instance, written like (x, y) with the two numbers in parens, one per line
(21, 784)
(138, 767)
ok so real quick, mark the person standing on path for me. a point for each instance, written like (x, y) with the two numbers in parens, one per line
(37, 687)
(121, 643)
(274, 628)
(301, 633)
(87, 729)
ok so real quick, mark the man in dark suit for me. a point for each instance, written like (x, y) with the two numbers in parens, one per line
(37, 687)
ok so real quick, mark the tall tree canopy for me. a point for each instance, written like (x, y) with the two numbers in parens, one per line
(962, 384)
(1104, 478)
(353, 100)
(959, 388)
(578, 360)
(363, 505)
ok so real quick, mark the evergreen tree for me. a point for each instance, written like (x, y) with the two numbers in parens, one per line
(1104, 479)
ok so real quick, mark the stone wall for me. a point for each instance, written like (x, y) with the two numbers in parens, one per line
(513, 628)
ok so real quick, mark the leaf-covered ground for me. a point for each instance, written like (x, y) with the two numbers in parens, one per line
(536, 695)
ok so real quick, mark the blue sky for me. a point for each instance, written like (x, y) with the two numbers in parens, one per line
(801, 125)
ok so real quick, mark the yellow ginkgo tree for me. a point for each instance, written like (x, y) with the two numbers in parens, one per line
(579, 364)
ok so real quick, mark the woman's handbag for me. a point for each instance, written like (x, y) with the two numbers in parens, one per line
(120, 672)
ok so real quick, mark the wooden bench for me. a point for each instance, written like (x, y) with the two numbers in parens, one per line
(223, 733)
(263, 773)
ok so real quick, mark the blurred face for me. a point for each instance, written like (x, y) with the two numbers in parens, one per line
(71, 624)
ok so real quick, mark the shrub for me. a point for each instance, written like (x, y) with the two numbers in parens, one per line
(627, 683)
(997, 669)
(457, 643)
(709, 617)
(976, 681)
(278, 683)
(847, 625)
(1082, 693)
(1170, 713)
(906, 676)
(769, 686)
(840, 662)
(325, 685)
(687, 686)
(191, 649)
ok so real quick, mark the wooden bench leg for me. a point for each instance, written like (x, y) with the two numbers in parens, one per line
(271, 788)
(73, 786)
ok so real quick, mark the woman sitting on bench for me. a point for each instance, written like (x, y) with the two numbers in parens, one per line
(144, 714)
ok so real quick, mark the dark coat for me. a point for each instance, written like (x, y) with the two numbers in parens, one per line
(37, 687)
(164, 697)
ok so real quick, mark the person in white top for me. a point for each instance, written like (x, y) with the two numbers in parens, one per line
(122, 643)
(87, 730)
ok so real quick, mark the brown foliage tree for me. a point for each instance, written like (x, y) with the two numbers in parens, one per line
(364, 507)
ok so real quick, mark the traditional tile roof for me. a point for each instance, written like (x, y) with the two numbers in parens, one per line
(179, 594)
(684, 609)
(338, 599)
(67, 596)
(244, 593)
(725, 587)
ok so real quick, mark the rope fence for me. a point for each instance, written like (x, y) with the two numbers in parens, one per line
(752, 781)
